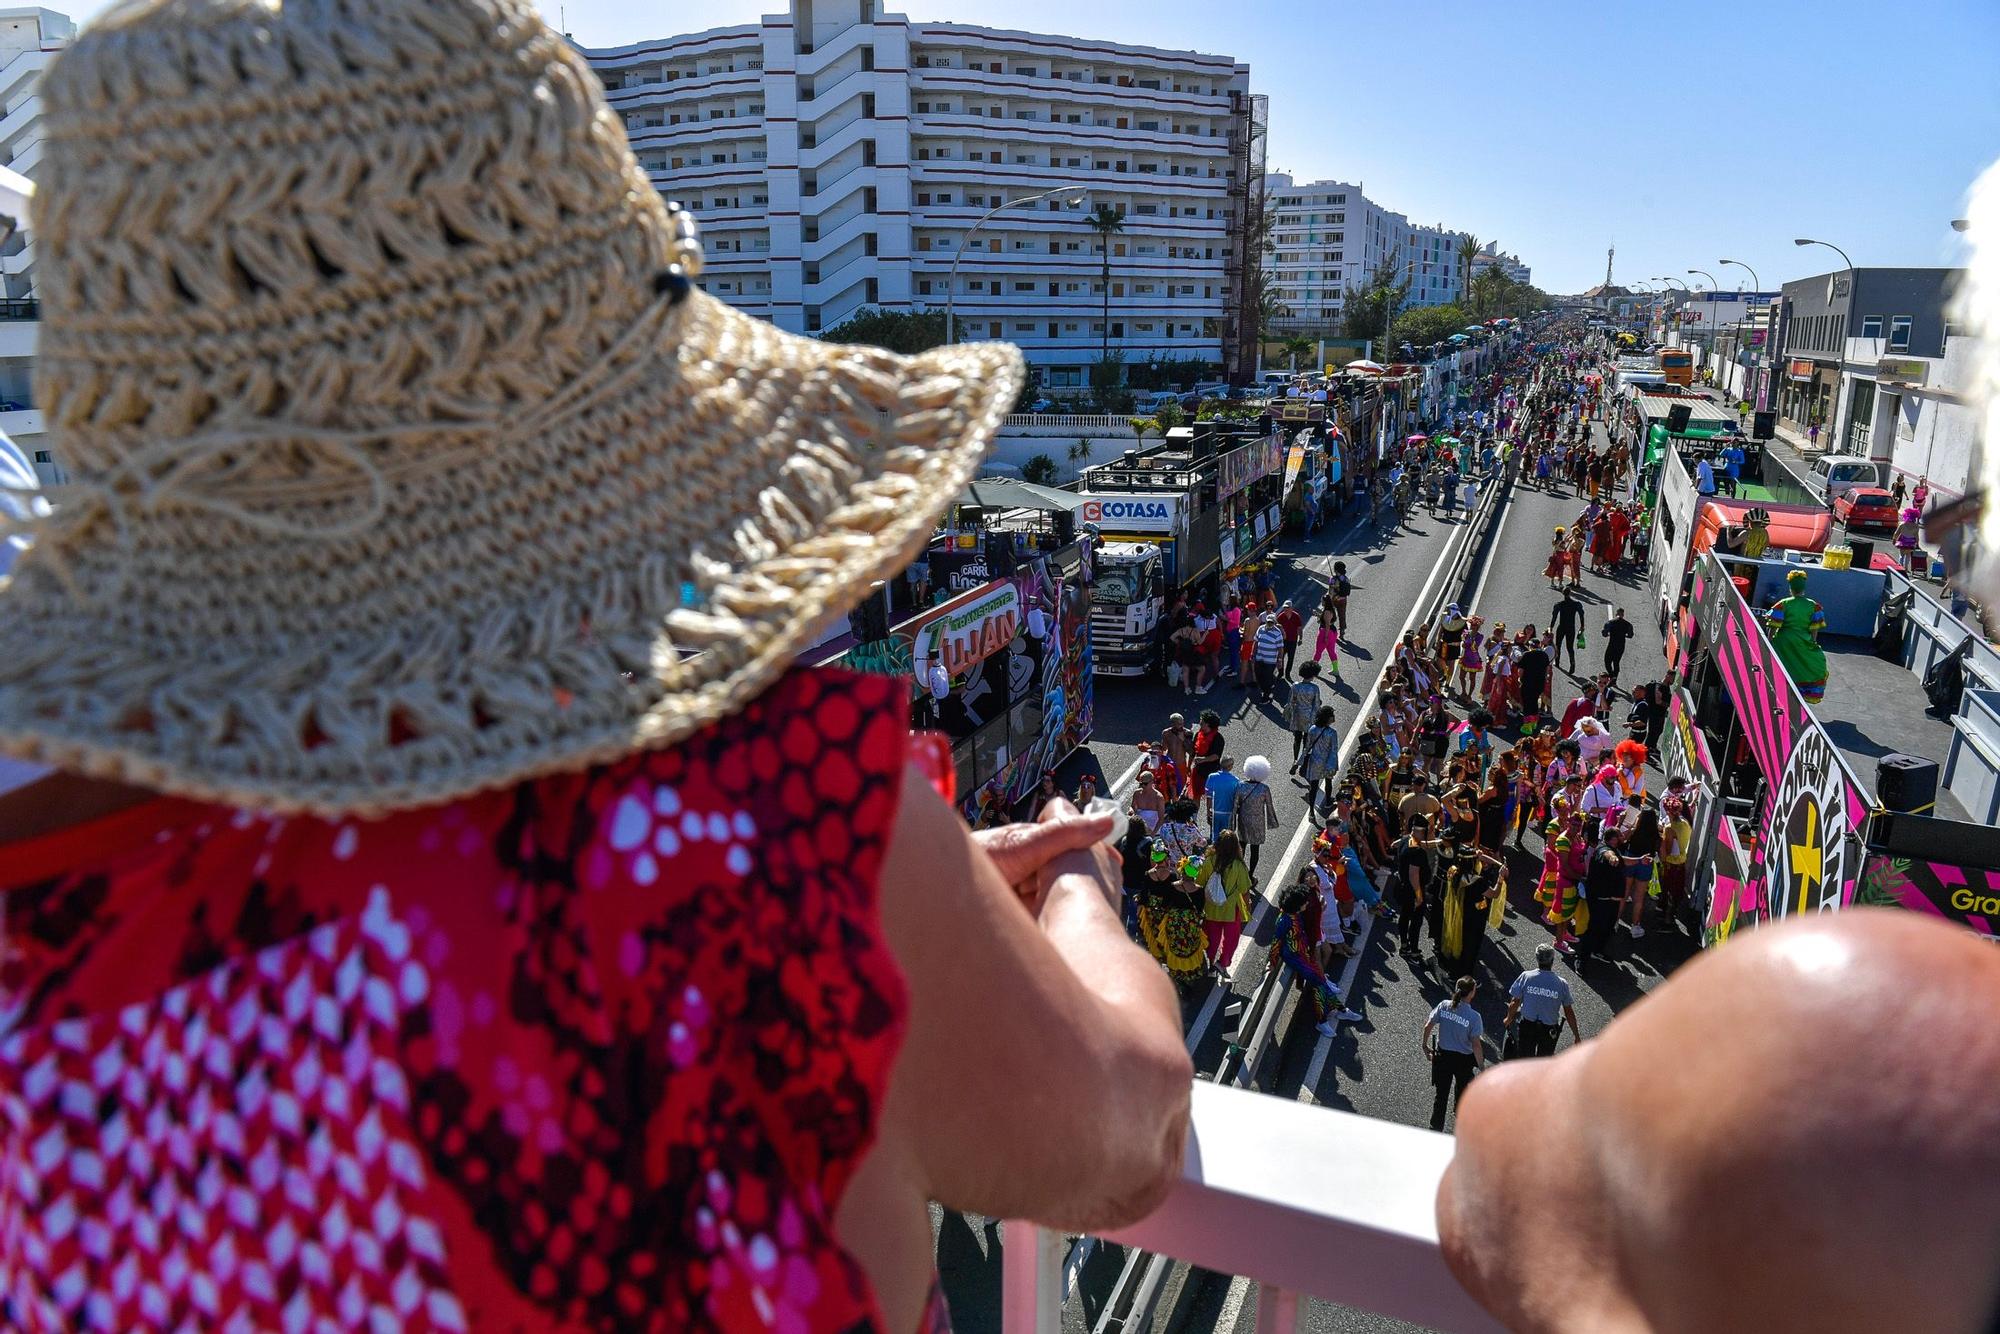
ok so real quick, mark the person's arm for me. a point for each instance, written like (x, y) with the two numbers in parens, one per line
(1569, 1013)
(1044, 1074)
(1427, 1040)
(1513, 1012)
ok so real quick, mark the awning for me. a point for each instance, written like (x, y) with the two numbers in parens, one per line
(1006, 493)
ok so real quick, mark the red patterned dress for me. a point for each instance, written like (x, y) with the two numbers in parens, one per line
(600, 1051)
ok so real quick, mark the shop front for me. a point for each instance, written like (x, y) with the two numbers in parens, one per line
(1808, 394)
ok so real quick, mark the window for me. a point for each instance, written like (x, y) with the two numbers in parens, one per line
(1872, 327)
(44, 456)
(1899, 332)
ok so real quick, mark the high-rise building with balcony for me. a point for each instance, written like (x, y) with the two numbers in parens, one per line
(838, 156)
(1490, 258)
(1327, 238)
(29, 40)
(1431, 263)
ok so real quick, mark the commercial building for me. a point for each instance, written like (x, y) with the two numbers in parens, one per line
(29, 40)
(1871, 357)
(838, 157)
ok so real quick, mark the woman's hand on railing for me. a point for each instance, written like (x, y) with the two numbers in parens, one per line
(1021, 851)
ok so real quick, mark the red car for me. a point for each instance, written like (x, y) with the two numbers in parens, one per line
(1865, 507)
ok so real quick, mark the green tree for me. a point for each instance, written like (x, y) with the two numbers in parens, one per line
(1365, 311)
(1168, 417)
(1042, 470)
(905, 331)
(1107, 384)
(1106, 222)
(1031, 389)
(1421, 326)
(1296, 347)
(1468, 250)
(1139, 425)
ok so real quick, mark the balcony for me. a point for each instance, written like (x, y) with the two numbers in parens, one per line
(1302, 1200)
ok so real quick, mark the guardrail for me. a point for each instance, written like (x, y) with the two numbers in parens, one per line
(1312, 1202)
(1254, 1226)
(1069, 421)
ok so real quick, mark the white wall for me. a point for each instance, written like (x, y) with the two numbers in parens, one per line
(1936, 437)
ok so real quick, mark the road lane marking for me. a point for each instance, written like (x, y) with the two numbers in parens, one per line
(1247, 947)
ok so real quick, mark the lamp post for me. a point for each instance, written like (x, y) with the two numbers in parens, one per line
(1770, 334)
(1714, 291)
(1072, 196)
(1807, 240)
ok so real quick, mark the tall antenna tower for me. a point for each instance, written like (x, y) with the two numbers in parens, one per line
(1609, 252)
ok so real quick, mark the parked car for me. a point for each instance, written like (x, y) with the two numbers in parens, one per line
(1865, 507)
(1833, 474)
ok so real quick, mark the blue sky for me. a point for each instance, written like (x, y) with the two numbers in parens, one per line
(1682, 133)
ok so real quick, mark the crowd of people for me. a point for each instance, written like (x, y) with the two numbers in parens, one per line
(1415, 826)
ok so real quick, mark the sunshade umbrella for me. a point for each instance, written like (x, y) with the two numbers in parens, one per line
(1364, 365)
(1010, 493)
(1416, 439)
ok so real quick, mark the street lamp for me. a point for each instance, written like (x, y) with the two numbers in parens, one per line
(1684, 286)
(1713, 286)
(1807, 240)
(1072, 197)
(1755, 286)
(1960, 224)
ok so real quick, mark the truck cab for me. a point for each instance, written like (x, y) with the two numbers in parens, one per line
(1127, 599)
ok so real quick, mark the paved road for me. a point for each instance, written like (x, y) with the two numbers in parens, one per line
(1376, 1067)
(1391, 573)
(1381, 1071)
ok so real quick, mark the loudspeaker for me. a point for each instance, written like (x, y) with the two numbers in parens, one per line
(1763, 425)
(870, 620)
(1906, 783)
(1677, 418)
(1864, 551)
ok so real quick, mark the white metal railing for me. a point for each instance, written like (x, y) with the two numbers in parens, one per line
(1070, 421)
(1304, 1200)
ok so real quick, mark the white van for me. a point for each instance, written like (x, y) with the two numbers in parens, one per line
(1832, 475)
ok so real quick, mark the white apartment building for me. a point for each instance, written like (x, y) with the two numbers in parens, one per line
(29, 39)
(1432, 266)
(837, 157)
(1490, 258)
(1328, 237)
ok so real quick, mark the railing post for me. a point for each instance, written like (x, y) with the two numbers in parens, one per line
(1031, 1279)
(1277, 1310)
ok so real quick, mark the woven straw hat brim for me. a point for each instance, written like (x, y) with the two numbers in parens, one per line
(839, 462)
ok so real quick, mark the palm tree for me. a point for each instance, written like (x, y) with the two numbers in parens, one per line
(1468, 250)
(1106, 222)
(1296, 347)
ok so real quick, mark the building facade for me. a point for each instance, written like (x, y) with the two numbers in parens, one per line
(29, 40)
(1490, 258)
(839, 157)
(1327, 238)
(1432, 265)
(1870, 355)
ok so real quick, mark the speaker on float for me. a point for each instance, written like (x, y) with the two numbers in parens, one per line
(1907, 783)
(1677, 418)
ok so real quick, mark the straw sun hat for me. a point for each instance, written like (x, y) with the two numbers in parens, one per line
(406, 462)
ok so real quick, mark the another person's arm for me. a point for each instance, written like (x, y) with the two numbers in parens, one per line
(1569, 1013)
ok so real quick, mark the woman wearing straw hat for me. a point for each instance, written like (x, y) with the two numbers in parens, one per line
(416, 649)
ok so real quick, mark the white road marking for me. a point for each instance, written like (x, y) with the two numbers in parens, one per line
(1247, 948)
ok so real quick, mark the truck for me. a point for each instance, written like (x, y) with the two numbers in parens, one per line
(1127, 598)
(1158, 517)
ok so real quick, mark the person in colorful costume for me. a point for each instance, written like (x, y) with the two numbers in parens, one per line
(1459, 908)
(1293, 949)
(1631, 762)
(1794, 626)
